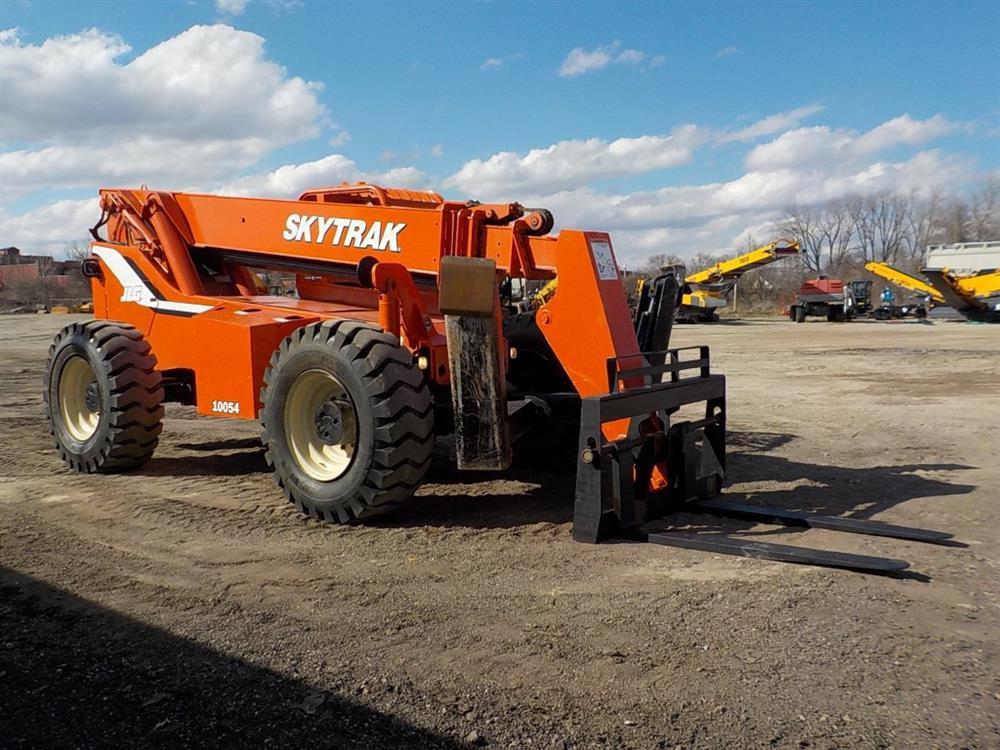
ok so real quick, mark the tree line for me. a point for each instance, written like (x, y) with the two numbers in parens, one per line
(893, 228)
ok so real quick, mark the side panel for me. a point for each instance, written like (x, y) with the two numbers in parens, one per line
(227, 343)
(228, 352)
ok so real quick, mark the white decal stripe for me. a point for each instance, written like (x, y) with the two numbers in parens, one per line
(140, 293)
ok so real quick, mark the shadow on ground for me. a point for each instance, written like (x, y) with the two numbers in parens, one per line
(857, 492)
(76, 674)
(539, 488)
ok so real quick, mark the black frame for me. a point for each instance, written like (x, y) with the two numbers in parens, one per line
(612, 478)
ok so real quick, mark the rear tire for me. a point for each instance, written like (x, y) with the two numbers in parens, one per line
(348, 421)
(800, 314)
(103, 396)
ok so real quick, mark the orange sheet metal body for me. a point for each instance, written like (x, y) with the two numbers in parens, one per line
(176, 266)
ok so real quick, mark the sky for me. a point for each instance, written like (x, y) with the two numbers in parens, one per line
(677, 127)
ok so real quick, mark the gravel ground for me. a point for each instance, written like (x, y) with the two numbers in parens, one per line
(185, 605)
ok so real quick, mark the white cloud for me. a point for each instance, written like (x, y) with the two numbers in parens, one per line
(231, 7)
(51, 228)
(772, 124)
(289, 180)
(401, 177)
(821, 145)
(207, 82)
(166, 163)
(237, 7)
(631, 57)
(905, 130)
(714, 216)
(567, 164)
(730, 51)
(498, 62)
(193, 108)
(802, 166)
(339, 138)
(437, 150)
(580, 61)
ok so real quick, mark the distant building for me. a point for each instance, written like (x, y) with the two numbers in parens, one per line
(10, 256)
(17, 273)
(13, 256)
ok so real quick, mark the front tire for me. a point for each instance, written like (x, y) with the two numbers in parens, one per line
(103, 396)
(348, 421)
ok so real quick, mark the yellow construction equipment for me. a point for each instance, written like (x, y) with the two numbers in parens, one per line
(544, 294)
(967, 275)
(977, 297)
(905, 281)
(705, 290)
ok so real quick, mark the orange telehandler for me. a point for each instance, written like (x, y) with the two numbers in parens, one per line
(405, 326)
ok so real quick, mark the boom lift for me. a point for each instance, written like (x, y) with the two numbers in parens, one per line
(405, 326)
(705, 290)
(904, 281)
(929, 296)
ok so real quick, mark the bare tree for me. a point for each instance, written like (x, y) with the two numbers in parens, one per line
(836, 231)
(881, 223)
(655, 264)
(704, 260)
(78, 251)
(984, 211)
(923, 226)
(801, 225)
(953, 223)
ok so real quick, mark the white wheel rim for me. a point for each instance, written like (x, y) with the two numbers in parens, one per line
(322, 459)
(80, 418)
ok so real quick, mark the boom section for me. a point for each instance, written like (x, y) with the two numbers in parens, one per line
(904, 280)
(322, 227)
(730, 270)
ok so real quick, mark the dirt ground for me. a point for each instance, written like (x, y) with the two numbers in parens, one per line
(185, 604)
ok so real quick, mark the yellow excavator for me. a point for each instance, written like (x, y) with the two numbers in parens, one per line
(704, 291)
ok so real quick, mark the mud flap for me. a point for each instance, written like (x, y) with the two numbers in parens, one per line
(468, 298)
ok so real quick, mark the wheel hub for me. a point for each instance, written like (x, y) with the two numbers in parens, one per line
(92, 397)
(330, 421)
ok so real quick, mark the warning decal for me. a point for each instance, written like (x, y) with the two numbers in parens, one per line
(606, 270)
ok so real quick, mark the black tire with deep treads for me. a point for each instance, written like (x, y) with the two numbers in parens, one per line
(395, 420)
(131, 396)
